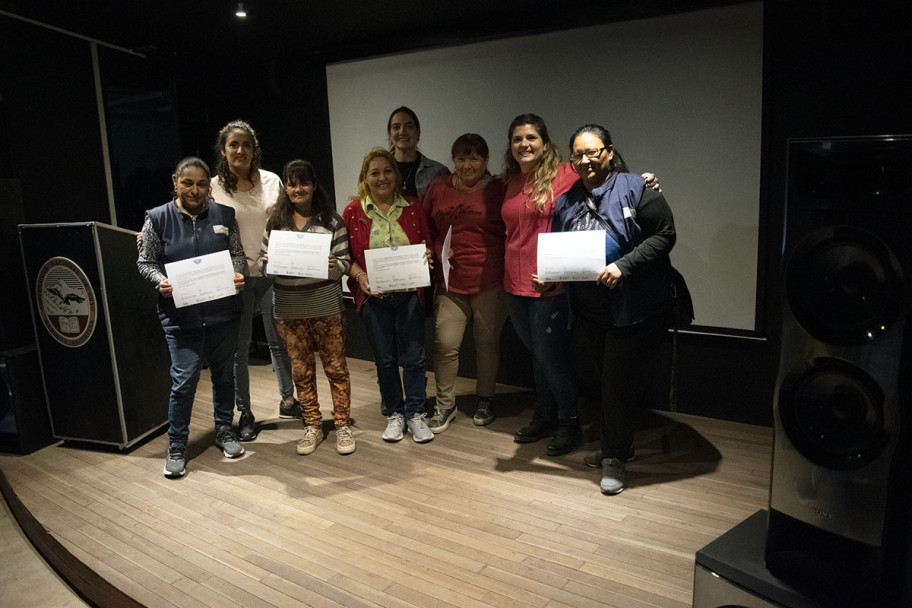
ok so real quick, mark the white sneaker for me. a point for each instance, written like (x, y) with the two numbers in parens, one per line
(394, 427)
(345, 440)
(312, 437)
(419, 428)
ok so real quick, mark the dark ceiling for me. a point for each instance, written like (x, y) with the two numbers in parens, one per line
(322, 30)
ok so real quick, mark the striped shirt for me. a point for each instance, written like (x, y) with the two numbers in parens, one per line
(308, 298)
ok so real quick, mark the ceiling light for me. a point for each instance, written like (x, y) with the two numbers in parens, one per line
(239, 11)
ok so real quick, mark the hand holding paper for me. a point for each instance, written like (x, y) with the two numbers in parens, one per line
(571, 256)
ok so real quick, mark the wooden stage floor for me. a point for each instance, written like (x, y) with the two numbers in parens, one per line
(469, 520)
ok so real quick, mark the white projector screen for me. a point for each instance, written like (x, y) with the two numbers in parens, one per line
(681, 95)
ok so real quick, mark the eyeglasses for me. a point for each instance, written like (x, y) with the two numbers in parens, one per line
(592, 154)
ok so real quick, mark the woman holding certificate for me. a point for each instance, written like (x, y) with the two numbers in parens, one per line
(188, 227)
(381, 219)
(466, 206)
(534, 177)
(624, 315)
(308, 308)
(242, 185)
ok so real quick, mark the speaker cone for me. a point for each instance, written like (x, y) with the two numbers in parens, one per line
(844, 285)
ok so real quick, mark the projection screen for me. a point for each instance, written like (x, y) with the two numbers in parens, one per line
(681, 95)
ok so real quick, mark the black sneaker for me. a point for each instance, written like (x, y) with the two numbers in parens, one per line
(227, 441)
(543, 424)
(569, 437)
(484, 412)
(292, 410)
(247, 426)
(176, 461)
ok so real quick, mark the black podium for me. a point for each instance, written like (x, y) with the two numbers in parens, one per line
(104, 361)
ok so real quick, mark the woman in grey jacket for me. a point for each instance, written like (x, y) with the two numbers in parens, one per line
(417, 170)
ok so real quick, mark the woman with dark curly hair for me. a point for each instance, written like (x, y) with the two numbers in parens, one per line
(241, 184)
(309, 311)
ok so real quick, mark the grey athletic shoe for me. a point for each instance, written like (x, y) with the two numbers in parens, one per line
(419, 429)
(176, 461)
(613, 476)
(394, 427)
(594, 459)
(227, 441)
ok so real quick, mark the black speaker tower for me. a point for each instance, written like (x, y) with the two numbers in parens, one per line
(842, 474)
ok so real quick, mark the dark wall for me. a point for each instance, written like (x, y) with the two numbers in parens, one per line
(50, 120)
(830, 68)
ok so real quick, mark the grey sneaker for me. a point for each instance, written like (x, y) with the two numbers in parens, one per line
(227, 441)
(313, 435)
(484, 412)
(345, 440)
(419, 429)
(394, 427)
(441, 420)
(594, 459)
(613, 473)
(175, 462)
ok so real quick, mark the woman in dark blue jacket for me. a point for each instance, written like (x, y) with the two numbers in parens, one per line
(190, 226)
(626, 313)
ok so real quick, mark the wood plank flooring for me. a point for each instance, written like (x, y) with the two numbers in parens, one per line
(469, 520)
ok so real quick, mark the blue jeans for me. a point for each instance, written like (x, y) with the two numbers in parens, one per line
(542, 325)
(395, 329)
(259, 289)
(188, 347)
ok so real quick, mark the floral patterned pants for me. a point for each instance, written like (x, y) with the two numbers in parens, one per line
(324, 335)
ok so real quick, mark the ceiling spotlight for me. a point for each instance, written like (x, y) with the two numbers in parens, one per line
(240, 11)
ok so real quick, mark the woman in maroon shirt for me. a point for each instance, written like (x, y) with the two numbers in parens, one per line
(468, 203)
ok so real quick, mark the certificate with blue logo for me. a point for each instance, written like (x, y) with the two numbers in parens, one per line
(392, 268)
(195, 280)
(299, 254)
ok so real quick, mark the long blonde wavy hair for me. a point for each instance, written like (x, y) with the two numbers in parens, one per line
(539, 191)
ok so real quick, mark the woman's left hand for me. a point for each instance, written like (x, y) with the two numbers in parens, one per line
(332, 262)
(429, 255)
(610, 276)
(238, 282)
(652, 181)
(540, 286)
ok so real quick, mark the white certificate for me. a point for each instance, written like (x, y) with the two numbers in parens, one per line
(571, 256)
(201, 279)
(445, 257)
(392, 268)
(299, 254)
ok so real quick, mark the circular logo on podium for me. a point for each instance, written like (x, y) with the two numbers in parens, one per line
(66, 302)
